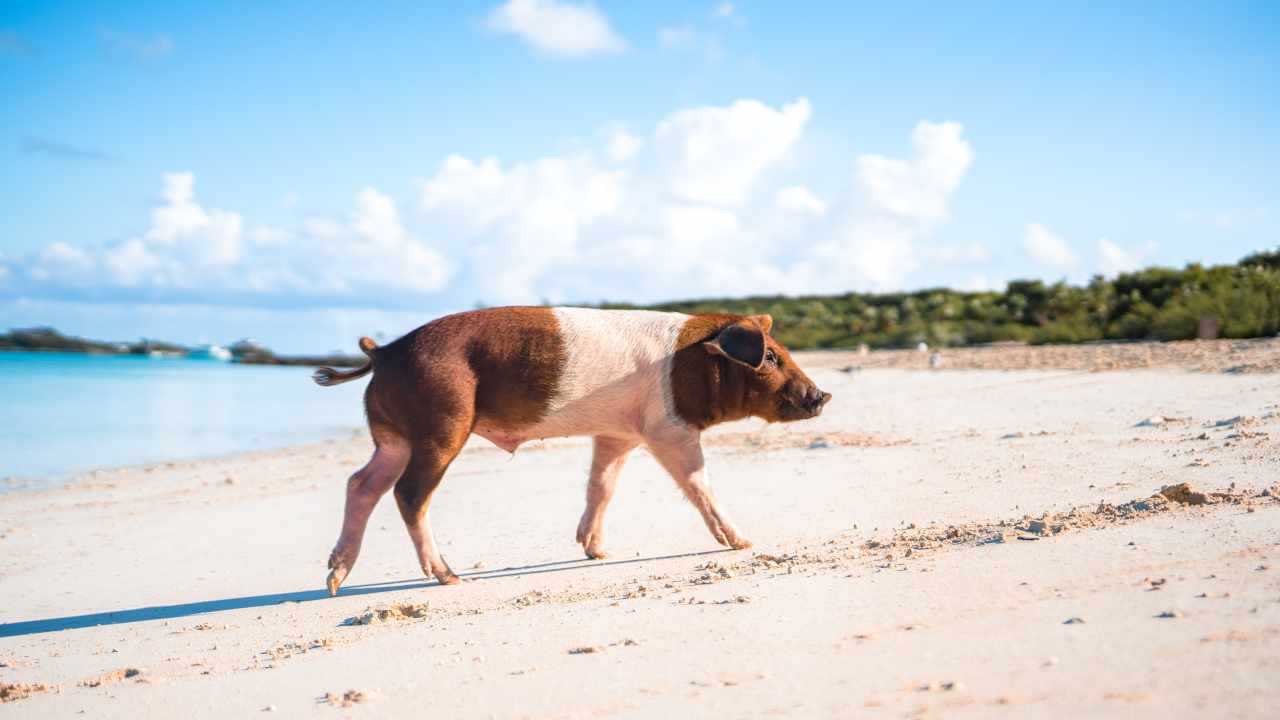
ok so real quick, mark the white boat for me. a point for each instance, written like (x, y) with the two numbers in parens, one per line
(210, 352)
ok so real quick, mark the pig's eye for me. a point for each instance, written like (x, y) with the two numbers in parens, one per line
(771, 357)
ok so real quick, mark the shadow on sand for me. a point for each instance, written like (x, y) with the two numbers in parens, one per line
(168, 612)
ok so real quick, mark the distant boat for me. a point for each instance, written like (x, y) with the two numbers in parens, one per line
(210, 352)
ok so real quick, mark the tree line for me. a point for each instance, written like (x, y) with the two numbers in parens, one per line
(1240, 300)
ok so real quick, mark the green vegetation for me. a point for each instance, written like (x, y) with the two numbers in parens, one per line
(1233, 301)
(46, 338)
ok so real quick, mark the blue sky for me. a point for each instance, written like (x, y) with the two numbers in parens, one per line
(306, 174)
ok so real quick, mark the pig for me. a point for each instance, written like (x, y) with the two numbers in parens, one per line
(514, 374)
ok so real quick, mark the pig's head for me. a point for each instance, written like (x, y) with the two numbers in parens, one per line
(741, 372)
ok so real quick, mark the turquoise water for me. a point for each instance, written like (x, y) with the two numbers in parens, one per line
(63, 413)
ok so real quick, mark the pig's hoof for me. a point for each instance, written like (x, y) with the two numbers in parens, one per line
(449, 579)
(739, 543)
(336, 576)
(596, 553)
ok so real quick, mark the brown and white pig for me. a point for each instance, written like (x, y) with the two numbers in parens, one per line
(516, 374)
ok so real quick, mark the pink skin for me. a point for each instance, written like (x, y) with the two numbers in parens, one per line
(606, 462)
(364, 489)
(616, 388)
(679, 450)
(413, 496)
(429, 557)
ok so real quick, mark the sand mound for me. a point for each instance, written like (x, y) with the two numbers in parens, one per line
(1182, 493)
(18, 691)
(348, 698)
(402, 611)
(114, 676)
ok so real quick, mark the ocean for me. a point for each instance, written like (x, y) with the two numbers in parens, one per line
(65, 413)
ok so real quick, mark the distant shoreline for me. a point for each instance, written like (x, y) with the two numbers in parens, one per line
(302, 360)
(246, 352)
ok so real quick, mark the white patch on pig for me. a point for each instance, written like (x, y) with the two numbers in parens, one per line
(617, 375)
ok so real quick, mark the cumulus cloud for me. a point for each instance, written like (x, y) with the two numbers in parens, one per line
(715, 154)
(1113, 259)
(190, 251)
(519, 222)
(800, 199)
(689, 207)
(1047, 248)
(557, 28)
(918, 188)
(906, 200)
(621, 145)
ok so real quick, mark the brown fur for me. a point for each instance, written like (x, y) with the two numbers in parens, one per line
(709, 388)
(495, 370)
(431, 387)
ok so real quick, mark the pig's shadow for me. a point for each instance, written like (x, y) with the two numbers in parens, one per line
(169, 612)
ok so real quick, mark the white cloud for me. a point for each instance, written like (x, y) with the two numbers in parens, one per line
(800, 199)
(557, 28)
(1113, 259)
(688, 211)
(881, 252)
(906, 201)
(521, 221)
(1046, 248)
(918, 188)
(190, 250)
(715, 154)
(268, 235)
(622, 145)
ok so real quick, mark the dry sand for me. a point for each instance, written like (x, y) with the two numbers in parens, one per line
(967, 543)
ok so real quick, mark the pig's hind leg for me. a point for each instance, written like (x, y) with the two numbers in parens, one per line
(364, 489)
(441, 441)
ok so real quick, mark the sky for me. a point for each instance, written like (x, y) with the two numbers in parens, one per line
(306, 173)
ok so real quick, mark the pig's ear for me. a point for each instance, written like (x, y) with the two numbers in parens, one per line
(764, 321)
(741, 343)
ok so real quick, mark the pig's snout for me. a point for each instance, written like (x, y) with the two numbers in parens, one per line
(814, 400)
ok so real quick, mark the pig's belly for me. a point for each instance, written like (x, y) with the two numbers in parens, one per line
(575, 419)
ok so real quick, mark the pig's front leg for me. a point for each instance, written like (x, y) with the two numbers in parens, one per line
(680, 452)
(606, 462)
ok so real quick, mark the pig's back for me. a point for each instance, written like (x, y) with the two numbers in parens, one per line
(616, 354)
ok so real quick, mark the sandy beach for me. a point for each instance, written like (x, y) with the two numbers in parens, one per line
(981, 540)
